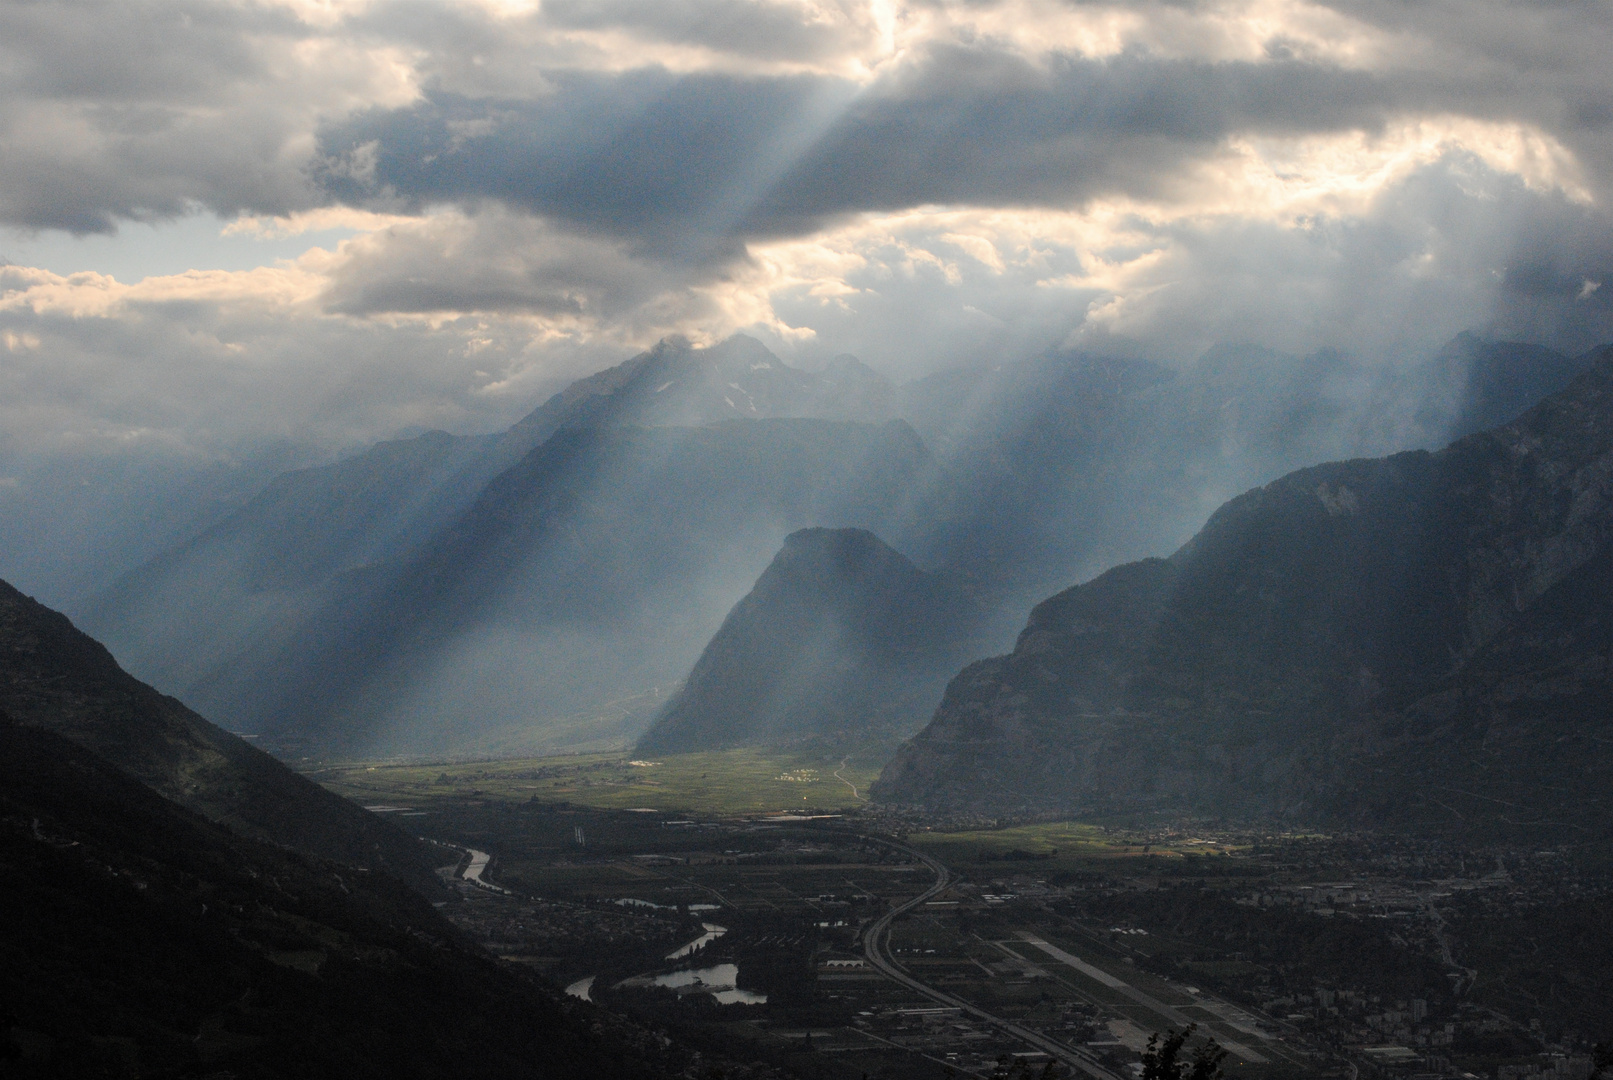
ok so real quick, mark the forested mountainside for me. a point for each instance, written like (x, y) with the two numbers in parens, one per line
(144, 940)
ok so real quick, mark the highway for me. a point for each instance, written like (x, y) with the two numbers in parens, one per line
(876, 946)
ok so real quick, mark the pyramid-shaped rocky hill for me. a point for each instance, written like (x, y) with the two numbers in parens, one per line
(841, 638)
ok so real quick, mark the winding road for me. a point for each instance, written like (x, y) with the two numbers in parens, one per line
(859, 796)
(876, 948)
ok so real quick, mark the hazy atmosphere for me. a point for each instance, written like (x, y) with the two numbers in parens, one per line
(807, 539)
(226, 225)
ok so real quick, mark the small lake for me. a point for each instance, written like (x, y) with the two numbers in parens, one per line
(582, 987)
(717, 980)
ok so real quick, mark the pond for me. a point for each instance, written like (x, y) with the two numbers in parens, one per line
(717, 980)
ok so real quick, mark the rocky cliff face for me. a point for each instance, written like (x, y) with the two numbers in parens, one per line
(1422, 639)
(842, 637)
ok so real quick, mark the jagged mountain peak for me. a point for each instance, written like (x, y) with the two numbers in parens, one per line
(850, 556)
(679, 384)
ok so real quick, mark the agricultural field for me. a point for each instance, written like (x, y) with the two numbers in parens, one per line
(1062, 848)
(722, 783)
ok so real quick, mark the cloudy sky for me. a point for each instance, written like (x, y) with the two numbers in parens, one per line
(332, 222)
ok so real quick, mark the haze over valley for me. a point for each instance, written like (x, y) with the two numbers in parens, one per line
(806, 540)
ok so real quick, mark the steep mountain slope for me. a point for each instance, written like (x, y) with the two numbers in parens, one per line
(52, 676)
(841, 638)
(1398, 639)
(142, 940)
(242, 585)
(593, 570)
(1483, 384)
(1066, 464)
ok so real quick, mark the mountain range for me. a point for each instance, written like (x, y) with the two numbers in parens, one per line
(1422, 640)
(549, 586)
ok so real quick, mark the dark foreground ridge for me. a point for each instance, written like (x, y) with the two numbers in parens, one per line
(55, 677)
(1420, 640)
(144, 940)
(841, 638)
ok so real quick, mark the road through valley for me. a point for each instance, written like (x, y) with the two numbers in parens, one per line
(876, 948)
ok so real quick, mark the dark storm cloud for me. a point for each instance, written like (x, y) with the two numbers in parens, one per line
(607, 172)
(986, 128)
(494, 262)
(668, 160)
(112, 112)
(693, 160)
(644, 155)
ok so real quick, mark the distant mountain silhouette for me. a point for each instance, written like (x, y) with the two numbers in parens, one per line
(54, 677)
(678, 385)
(841, 639)
(244, 585)
(1421, 640)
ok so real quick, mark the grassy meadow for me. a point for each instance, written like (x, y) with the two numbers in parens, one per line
(728, 782)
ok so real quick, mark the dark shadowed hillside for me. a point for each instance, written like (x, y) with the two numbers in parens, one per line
(1422, 638)
(142, 940)
(841, 638)
(52, 676)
